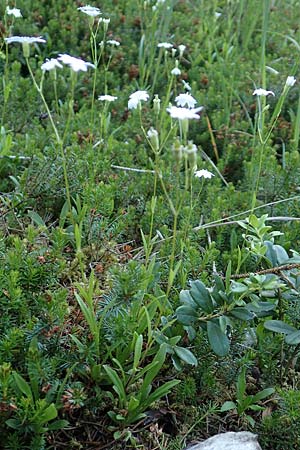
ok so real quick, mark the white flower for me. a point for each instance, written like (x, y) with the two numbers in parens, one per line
(290, 81)
(136, 97)
(152, 132)
(181, 49)
(75, 64)
(186, 85)
(176, 71)
(50, 64)
(107, 98)
(165, 45)
(184, 113)
(185, 100)
(263, 92)
(113, 42)
(217, 14)
(104, 21)
(13, 12)
(90, 10)
(24, 40)
(203, 173)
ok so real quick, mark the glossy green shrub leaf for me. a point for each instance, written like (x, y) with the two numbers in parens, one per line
(242, 313)
(219, 342)
(293, 338)
(186, 298)
(186, 315)
(186, 355)
(278, 326)
(201, 296)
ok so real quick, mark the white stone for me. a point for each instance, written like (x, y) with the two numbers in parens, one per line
(242, 440)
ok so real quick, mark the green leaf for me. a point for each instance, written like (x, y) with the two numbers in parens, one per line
(238, 287)
(293, 338)
(58, 425)
(117, 383)
(14, 423)
(186, 355)
(137, 351)
(186, 298)
(219, 342)
(154, 368)
(227, 406)
(241, 385)
(36, 218)
(186, 315)
(278, 326)
(201, 296)
(263, 394)
(242, 313)
(22, 385)
(133, 404)
(48, 414)
(161, 391)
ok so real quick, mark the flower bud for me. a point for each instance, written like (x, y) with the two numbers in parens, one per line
(191, 153)
(177, 149)
(153, 138)
(156, 104)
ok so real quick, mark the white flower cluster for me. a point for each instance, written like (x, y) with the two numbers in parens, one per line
(136, 98)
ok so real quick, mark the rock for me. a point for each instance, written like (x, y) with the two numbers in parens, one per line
(242, 440)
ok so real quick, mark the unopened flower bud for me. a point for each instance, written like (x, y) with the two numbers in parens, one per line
(177, 149)
(191, 153)
(156, 104)
(153, 138)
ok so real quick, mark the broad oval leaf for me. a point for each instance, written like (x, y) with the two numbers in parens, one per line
(186, 298)
(278, 326)
(186, 315)
(293, 338)
(186, 355)
(242, 313)
(219, 342)
(201, 296)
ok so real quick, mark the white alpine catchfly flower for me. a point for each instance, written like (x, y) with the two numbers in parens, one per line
(184, 113)
(24, 40)
(107, 98)
(290, 81)
(176, 71)
(13, 12)
(113, 42)
(76, 64)
(51, 64)
(91, 11)
(203, 173)
(136, 97)
(262, 92)
(185, 100)
(181, 49)
(165, 45)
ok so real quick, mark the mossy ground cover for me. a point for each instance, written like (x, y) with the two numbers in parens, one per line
(149, 223)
